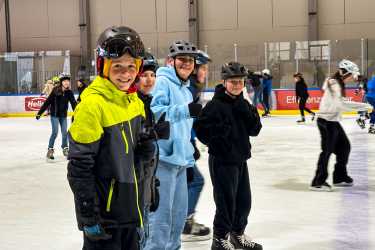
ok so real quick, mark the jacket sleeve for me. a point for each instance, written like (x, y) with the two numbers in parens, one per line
(252, 120)
(72, 100)
(161, 103)
(47, 103)
(84, 140)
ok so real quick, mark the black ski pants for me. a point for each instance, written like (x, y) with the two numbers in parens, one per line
(122, 239)
(334, 140)
(302, 106)
(232, 195)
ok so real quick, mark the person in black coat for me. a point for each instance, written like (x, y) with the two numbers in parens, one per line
(302, 96)
(58, 102)
(81, 85)
(224, 125)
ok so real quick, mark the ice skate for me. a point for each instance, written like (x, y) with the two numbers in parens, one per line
(325, 187)
(346, 181)
(66, 151)
(312, 117)
(361, 123)
(194, 231)
(301, 121)
(371, 130)
(244, 242)
(50, 157)
(266, 114)
(222, 244)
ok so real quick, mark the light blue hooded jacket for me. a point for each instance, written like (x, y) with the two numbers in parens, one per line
(171, 96)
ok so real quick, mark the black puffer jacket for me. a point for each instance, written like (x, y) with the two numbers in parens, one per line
(301, 89)
(58, 102)
(225, 125)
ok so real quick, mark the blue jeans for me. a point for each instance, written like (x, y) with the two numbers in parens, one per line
(167, 223)
(372, 114)
(257, 98)
(55, 129)
(194, 190)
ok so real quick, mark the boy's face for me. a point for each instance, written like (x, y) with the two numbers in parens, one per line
(66, 84)
(234, 85)
(123, 72)
(184, 66)
(202, 73)
(147, 81)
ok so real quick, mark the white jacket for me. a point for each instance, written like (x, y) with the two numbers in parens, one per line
(333, 104)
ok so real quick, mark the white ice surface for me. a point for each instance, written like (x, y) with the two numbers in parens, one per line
(36, 204)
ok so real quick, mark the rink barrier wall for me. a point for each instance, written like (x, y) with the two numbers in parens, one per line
(283, 102)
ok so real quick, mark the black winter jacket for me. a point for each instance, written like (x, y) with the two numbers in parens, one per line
(225, 125)
(301, 89)
(58, 102)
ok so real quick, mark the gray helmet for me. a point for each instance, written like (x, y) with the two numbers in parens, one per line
(233, 69)
(64, 76)
(182, 47)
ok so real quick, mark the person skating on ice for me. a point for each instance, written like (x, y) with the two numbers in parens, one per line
(224, 125)
(58, 103)
(106, 147)
(302, 96)
(362, 90)
(333, 137)
(172, 96)
(267, 91)
(370, 97)
(152, 129)
(194, 231)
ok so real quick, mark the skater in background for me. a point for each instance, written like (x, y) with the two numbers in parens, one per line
(153, 130)
(267, 90)
(333, 137)
(370, 97)
(224, 125)
(48, 87)
(171, 96)
(255, 81)
(57, 104)
(302, 96)
(194, 231)
(362, 90)
(107, 147)
(81, 85)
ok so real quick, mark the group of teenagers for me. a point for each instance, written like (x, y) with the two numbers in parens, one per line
(132, 153)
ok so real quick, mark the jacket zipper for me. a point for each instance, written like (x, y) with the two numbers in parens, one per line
(108, 208)
(124, 138)
(136, 180)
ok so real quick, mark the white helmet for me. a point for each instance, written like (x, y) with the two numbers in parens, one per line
(266, 72)
(350, 67)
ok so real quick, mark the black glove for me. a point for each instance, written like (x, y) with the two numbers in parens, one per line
(145, 150)
(162, 128)
(194, 109)
(196, 154)
(189, 174)
(155, 197)
(37, 117)
(96, 233)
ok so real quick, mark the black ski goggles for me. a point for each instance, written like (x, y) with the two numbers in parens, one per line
(117, 47)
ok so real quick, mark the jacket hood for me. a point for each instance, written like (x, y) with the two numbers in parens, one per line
(170, 73)
(104, 87)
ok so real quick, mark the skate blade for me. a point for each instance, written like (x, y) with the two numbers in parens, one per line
(50, 160)
(324, 189)
(192, 238)
(343, 184)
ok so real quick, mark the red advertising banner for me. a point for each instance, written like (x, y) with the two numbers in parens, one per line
(287, 100)
(34, 103)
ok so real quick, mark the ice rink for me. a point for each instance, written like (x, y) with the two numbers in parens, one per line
(37, 210)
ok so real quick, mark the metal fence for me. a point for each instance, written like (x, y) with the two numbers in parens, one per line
(26, 72)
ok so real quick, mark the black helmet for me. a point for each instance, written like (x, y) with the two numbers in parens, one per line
(150, 62)
(64, 76)
(233, 69)
(115, 41)
(182, 47)
(203, 58)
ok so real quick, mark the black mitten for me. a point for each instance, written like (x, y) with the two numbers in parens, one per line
(189, 174)
(194, 109)
(162, 128)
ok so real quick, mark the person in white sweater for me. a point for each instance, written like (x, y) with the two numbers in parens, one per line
(333, 137)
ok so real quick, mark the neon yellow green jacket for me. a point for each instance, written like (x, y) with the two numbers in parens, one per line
(101, 171)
